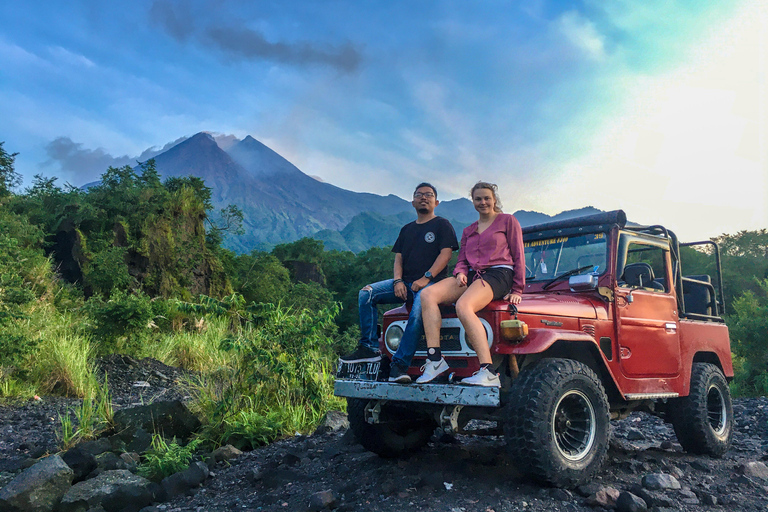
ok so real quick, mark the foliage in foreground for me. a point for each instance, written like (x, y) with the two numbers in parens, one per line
(281, 381)
(164, 459)
(748, 327)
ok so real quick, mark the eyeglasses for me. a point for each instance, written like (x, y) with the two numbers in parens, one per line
(419, 195)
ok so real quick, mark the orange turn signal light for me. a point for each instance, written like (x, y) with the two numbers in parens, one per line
(513, 330)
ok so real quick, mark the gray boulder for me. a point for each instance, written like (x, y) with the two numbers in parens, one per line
(171, 419)
(112, 490)
(628, 502)
(81, 462)
(38, 488)
(331, 422)
(658, 481)
(755, 469)
(323, 500)
(224, 453)
(181, 482)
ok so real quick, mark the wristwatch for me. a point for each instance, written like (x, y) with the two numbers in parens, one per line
(428, 275)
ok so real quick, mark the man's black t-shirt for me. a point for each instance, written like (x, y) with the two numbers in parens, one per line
(420, 245)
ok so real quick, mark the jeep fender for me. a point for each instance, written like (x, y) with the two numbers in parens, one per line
(539, 340)
(576, 345)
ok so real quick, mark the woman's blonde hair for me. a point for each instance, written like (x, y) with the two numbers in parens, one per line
(489, 186)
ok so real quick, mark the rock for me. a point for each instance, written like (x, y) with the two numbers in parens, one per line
(38, 488)
(183, 481)
(635, 435)
(589, 489)
(332, 422)
(657, 481)
(561, 494)
(689, 497)
(81, 462)
(605, 497)
(109, 461)
(170, 419)
(323, 500)
(96, 447)
(113, 490)
(139, 441)
(708, 499)
(628, 502)
(700, 465)
(224, 453)
(754, 469)
(279, 477)
(291, 459)
(255, 475)
(622, 446)
(131, 460)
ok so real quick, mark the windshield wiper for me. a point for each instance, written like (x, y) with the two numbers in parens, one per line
(567, 274)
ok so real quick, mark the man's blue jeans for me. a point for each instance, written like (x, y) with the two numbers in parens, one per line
(383, 292)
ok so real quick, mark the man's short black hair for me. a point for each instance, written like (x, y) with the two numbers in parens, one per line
(426, 185)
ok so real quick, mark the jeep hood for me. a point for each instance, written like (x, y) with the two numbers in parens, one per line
(553, 304)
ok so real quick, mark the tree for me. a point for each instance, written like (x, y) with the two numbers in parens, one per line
(259, 277)
(9, 178)
(307, 250)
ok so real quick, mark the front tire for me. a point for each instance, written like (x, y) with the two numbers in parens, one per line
(703, 420)
(399, 432)
(557, 424)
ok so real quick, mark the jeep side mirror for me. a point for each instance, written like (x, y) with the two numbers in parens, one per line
(583, 283)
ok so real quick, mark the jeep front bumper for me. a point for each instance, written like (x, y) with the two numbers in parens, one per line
(443, 394)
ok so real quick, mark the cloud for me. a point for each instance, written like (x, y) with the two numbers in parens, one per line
(175, 17)
(250, 44)
(582, 34)
(238, 41)
(82, 165)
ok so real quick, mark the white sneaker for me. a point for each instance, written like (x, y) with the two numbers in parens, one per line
(483, 377)
(432, 369)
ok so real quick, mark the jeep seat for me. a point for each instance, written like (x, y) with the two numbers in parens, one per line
(641, 275)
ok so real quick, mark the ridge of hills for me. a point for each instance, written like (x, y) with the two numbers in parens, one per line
(282, 204)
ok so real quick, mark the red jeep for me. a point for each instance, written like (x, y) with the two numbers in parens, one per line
(613, 327)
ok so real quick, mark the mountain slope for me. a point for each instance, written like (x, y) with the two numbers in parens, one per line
(282, 204)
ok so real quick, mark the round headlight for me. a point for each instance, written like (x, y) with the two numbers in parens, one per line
(393, 336)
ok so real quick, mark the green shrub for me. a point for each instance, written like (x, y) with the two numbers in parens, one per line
(164, 459)
(122, 322)
(107, 271)
(281, 379)
(747, 328)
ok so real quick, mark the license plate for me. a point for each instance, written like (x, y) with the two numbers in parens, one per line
(358, 371)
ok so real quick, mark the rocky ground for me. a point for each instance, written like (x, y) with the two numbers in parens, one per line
(466, 474)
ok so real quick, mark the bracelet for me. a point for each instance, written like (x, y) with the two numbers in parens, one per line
(398, 281)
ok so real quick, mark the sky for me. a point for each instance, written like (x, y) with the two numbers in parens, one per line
(655, 107)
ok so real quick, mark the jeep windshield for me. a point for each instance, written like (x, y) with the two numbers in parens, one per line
(549, 258)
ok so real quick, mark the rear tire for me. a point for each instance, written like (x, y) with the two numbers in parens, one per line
(399, 432)
(703, 420)
(557, 424)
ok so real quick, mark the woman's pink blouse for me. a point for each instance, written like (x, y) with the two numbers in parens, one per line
(500, 244)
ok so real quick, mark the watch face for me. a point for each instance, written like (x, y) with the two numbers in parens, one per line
(428, 274)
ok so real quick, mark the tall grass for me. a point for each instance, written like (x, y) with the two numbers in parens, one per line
(198, 351)
(63, 358)
(280, 380)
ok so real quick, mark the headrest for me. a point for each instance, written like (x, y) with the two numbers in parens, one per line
(638, 274)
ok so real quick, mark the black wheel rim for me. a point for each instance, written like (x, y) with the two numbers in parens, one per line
(574, 425)
(716, 410)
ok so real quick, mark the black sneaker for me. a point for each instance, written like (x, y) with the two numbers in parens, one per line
(362, 355)
(398, 376)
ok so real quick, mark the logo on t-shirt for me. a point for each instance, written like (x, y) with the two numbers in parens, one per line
(429, 237)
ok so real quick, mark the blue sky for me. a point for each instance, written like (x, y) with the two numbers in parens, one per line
(655, 107)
